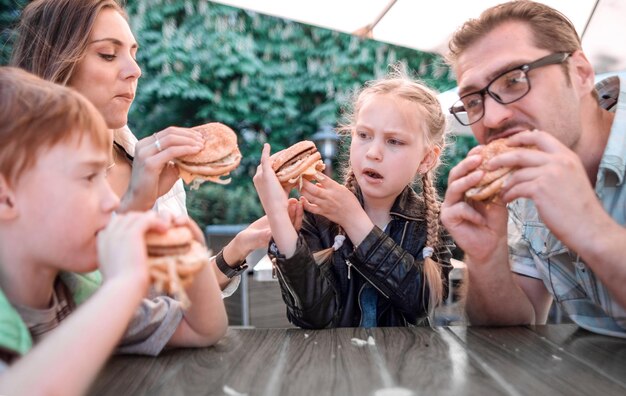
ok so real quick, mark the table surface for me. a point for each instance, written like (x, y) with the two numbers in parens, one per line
(533, 360)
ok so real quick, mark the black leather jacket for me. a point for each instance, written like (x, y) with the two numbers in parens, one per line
(328, 295)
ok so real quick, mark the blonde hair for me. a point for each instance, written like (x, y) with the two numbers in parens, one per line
(36, 114)
(52, 36)
(399, 83)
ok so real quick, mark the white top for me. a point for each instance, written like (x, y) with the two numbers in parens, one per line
(172, 201)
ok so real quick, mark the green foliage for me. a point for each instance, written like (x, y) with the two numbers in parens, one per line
(214, 204)
(270, 79)
(456, 150)
(9, 16)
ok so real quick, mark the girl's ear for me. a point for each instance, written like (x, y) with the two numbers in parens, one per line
(8, 210)
(429, 160)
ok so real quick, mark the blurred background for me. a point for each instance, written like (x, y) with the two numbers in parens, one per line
(270, 79)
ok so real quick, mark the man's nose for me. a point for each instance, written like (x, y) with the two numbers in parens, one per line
(495, 114)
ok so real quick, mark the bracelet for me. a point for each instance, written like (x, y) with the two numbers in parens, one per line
(227, 269)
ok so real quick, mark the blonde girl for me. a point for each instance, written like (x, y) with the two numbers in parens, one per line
(381, 256)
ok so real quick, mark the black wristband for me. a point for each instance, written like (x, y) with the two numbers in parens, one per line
(226, 269)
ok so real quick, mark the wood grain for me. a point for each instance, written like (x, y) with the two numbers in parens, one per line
(543, 360)
(523, 363)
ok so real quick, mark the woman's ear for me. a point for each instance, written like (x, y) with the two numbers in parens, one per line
(429, 160)
(8, 210)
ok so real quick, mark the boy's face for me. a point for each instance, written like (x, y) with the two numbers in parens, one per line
(62, 202)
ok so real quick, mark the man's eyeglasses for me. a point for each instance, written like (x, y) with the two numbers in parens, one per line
(508, 87)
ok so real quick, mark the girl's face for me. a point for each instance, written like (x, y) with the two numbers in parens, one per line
(63, 202)
(388, 146)
(108, 73)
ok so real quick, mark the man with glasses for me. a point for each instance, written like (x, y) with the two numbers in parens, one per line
(523, 76)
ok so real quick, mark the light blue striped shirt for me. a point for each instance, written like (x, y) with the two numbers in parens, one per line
(535, 252)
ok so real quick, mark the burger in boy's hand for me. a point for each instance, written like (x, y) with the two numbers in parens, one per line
(174, 257)
(490, 185)
(302, 160)
(218, 158)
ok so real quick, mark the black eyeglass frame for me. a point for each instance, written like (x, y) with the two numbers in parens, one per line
(552, 59)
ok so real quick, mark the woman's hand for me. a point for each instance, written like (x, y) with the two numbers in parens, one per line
(153, 173)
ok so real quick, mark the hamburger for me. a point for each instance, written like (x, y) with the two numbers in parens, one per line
(174, 257)
(218, 158)
(302, 160)
(491, 183)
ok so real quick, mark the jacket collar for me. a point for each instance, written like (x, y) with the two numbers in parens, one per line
(408, 205)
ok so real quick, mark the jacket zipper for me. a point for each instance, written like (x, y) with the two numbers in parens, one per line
(291, 292)
(364, 277)
(350, 265)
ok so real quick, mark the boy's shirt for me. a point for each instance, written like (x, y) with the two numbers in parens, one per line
(151, 327)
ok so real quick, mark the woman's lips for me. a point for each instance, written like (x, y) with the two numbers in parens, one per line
(126, 96)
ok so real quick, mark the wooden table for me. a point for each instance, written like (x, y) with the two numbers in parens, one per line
(539, 360)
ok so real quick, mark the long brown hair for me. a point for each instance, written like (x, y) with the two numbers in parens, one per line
(52, 36)
(398, 82)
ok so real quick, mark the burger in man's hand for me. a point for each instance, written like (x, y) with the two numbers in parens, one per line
(302, 160)
(491, 183)
(218, 158)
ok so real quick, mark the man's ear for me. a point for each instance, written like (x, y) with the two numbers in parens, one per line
(429, 160)
(8, 209)
(582, 73)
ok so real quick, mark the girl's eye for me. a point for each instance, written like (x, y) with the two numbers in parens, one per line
(107, 57)
(395, 142)
(91, 177)
(362, 135)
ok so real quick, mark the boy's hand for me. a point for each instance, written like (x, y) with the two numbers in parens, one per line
(187, 221)
(122, 248)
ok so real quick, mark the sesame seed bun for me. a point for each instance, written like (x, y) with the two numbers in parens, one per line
(219, 156)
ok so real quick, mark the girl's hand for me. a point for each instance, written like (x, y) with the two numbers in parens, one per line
(122, 247)
(339, 205)
(331, 200)
(296, 212)
(153, 173)
(275, 203)
(272, 195)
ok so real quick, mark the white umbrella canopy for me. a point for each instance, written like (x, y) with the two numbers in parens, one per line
(427, 25)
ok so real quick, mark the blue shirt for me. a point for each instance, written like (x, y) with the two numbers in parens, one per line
(535, 252)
